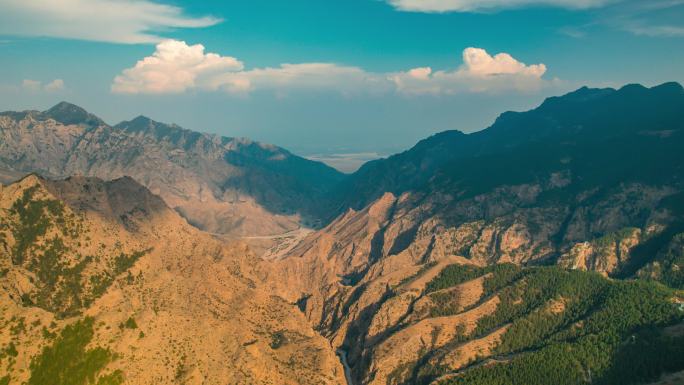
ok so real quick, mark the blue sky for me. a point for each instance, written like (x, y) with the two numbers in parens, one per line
(329, 77)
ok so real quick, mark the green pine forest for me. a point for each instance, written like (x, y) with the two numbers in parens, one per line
(608, 332)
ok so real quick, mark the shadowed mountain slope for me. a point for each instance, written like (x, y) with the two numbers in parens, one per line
(589, 131)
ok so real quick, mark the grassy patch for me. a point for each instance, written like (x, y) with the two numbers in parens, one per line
(68, 362)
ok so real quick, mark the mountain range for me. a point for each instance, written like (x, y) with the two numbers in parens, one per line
(545, 249)
(221, 185)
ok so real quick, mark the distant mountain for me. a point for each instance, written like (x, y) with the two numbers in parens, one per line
(592, 180)
(222, 185)
(101, 282)
(589, 123)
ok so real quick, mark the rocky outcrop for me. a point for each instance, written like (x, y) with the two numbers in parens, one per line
(605, 254)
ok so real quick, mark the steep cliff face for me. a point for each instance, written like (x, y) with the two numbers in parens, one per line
(103, 281)
(588, 181)
(222, 185)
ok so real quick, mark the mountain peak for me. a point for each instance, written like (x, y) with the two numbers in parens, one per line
(633, 87)
(669, 87)
(139, 123)
(142, 119)
(66, 106)
(142, 123)
(68, 113)
(583, 94)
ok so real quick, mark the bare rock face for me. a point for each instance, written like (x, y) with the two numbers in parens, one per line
(325, 263)
(222, 185)
(163, 301)
(605, 254)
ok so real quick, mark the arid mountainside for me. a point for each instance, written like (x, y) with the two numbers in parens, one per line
(587, 181)
(547, 250)
(222, 185)
(101, 282)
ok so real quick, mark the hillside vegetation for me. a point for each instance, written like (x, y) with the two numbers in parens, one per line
(103, 284)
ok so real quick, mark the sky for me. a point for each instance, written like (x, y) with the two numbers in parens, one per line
(338, 81)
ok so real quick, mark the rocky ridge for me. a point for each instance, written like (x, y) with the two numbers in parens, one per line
(222, 185)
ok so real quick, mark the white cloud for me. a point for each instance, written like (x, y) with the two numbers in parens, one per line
(655, 18)
(477, 62)
(177, 67)
(422, 73)
(485, 5)
(31, 85)
(173, 68)
(117, 21)
(656, 30)
(652, 18)
(480, 72)
(55, 85)
(35, 85)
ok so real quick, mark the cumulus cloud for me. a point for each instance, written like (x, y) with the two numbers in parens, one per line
(35, 85)
(177, 67)
(480, 72)
(117, 21)
(173, 68)
(434, 6)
